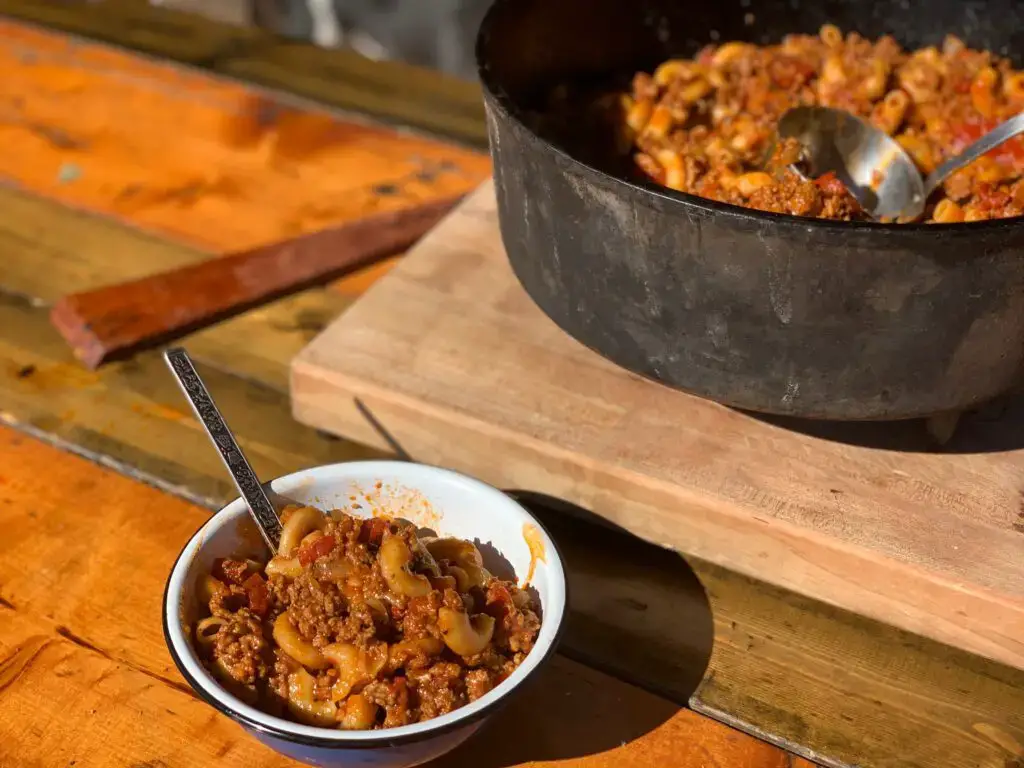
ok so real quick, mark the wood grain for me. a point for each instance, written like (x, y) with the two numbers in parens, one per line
(130, 416)
(637, 611)
(207, 162)
(395, 92)
(781, 663)
(118, 320)
(50, 251)
(909, 701)
(82, 638)
(429, 354)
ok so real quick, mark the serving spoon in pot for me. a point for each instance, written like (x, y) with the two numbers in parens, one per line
(874, 167)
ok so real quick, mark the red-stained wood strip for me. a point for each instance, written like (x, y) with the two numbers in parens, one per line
(114, 321)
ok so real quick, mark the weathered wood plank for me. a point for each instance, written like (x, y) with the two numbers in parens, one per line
(390, 91)
(864, 692)
(783, 666)
(49, 251)
(132, 415)
(65, 704)
(116, 321)
(426, 355)
(644, 596)
(637, 611)
(67, 645)
(207, 162)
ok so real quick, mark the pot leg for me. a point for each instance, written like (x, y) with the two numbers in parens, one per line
(942, 426)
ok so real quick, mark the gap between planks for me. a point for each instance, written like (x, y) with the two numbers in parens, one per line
(753, 669)
(836, 522)
(784, 680)
(120, 572)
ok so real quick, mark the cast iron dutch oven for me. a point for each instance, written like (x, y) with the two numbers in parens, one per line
(772, 313)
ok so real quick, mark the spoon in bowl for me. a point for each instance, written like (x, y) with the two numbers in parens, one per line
(248, 484)
(874, 167)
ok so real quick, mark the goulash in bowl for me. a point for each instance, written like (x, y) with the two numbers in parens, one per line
(361, 623)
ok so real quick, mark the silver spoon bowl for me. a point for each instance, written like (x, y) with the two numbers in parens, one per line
(874, 167)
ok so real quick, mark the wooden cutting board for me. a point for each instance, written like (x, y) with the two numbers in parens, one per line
(455, 362)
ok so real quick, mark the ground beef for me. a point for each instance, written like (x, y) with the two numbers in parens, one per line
(516, 628)
(324, 682)
(393, 697)
(241, 649)
(420, 618)
(314, 609)
(478, 682)
(438, 689)
(283, 666)
(334, 594)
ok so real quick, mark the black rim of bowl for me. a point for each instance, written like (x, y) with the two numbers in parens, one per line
(378, 741)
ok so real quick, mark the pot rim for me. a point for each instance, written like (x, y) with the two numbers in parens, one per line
(498, 96)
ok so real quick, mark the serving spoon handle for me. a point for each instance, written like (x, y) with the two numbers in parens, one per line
(998, 135)
(238, 466)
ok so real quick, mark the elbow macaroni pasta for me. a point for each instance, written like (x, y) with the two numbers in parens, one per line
(302, 703)
(704, 125)
(207, 629)
(300, 523)
(294, 645)
(360, 624)
(395, 559)
(464, 635)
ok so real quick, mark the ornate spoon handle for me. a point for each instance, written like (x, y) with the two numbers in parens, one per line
(238, 466)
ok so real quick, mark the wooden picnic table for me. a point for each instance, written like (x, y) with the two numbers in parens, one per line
(120, 164)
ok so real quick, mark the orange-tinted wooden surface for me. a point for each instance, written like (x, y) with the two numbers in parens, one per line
(85, 678)
(208, 162)
(84, 675)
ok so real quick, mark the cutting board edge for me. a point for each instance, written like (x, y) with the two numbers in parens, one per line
(949, 621)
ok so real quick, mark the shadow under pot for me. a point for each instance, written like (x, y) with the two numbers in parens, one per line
(767, 312)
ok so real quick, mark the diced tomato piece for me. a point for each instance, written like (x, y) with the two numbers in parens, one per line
(256, 590)
(1010, 153)
(373, 531)
(313, 551)
(499, 600)
(830, 184)
(991, 198)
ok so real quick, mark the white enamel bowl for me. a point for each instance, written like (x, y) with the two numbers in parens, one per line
(446, 502)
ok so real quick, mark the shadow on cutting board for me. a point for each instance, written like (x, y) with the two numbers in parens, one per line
(994, 427)
(648, 624)
(636, 612)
